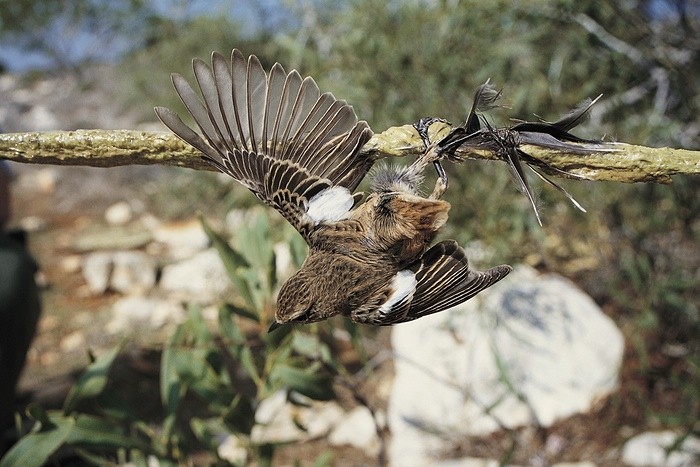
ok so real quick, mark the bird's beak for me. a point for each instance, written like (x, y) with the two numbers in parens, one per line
(274, 326)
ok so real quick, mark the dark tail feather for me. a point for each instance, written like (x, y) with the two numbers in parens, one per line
(560, 128)
(485, 98)
(577, 115)
(512, 158)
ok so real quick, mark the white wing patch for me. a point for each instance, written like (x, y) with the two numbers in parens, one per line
(332, 204)
(403, 286)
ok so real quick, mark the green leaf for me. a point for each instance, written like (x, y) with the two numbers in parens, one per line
(242, 312)
(38, 413)
(279, 336)
(172, 390)
(254, 241)
(240, 417)
(297, 247)
(196, 327)
(95, 433)
(92, 382)
(318, 386)
(245, 356)
(356, 338)
(113, 405)
(306, 344)
(35, 448)
(202, 430)
(138, 458)
(229, 328)
(237, 344)
(311, 346)
(234, 263)
(325, 459)
(265, 453)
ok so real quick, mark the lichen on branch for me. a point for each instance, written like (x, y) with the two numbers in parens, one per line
(619, 162)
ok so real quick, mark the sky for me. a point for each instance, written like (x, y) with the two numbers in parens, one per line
(76, 44)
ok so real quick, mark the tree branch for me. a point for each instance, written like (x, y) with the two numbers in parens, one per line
(109, 148)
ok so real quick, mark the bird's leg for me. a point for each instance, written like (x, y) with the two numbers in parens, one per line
(422, 126)
(431, 154)
(441, 182)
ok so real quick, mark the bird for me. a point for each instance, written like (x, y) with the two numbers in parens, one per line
(299, 151)
(505, 143)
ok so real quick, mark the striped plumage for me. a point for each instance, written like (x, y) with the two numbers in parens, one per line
(299, 151)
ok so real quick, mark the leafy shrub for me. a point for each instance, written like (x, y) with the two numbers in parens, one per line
(227, 371)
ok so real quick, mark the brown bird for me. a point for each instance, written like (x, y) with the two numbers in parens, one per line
(300, 151)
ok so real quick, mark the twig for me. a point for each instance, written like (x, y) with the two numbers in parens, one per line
(109, 148)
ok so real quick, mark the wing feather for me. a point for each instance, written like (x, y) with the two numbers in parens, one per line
(275, 132)
(239, 71)
(222, 78)
(273, 105)
(444, 279)
(206, 82)
(256, 98)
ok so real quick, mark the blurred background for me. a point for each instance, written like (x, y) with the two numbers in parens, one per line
(99, 64)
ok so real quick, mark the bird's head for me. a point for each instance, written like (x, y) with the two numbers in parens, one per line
(296, 302)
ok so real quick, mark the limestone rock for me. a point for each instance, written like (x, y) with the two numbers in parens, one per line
(183, 239)
(202, 277)
(357, 429)
(532, 349)
(97, 269)
(278, 420)
(274, 421)
(133, 313)
(128, 272)
(134, 272)
(119, 213)
(233, 450)
(650, 450)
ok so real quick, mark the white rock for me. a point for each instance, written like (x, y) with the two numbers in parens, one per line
(45, 180)
(320, 418)
(118, 213)
(466, 462)
(284, 266)
(236, 218)
(40, 118)
(183, 239)
(649, 450)
(167, 312)
(8, 82)
(133, 313)
(233, 450)
(97, 269)
(548, 340)
(278, 420)
(357, 429)
(32, 223)
(202, 277)
(275, 422)
(268, 408)
(128, 272)
(71, 263)
(73, 341)
(134, 272)
(575, 464)
(130, 312)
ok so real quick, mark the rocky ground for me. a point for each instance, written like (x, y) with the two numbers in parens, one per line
(122, 252)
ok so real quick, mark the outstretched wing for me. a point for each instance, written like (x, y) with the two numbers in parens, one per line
(444, 279)
(440, 280)
(296, 149)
